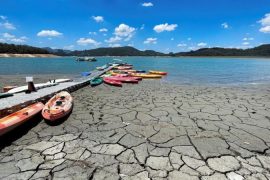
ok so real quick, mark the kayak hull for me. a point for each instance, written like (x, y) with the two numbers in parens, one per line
(143, 75)
(96, 81)
(58, 106)
(13, 120)
(112, 82)
(125, 79)
(158, 72)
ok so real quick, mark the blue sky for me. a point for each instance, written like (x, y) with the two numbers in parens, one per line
(162, 25)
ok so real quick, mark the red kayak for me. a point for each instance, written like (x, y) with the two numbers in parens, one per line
(124, 79)
(112, 82)
(13, 120)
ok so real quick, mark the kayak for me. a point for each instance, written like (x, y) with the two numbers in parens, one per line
(4, 95)
(37, 86)
(125, 79)
(96, 81)
(85, 73)
(58, 106)
(158, 72)
(144, 75)
(15, 119)
(102, 67)
(141, 71)
(112, 82)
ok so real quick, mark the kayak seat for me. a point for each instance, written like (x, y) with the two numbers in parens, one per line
(58, 103)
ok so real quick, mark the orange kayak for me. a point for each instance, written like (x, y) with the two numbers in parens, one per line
(15, 119)
(144, 75)
(58, 106)
(158, 72)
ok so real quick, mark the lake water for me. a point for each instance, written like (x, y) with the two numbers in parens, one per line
(231, 71)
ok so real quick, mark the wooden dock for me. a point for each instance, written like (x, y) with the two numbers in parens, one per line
(20, 100)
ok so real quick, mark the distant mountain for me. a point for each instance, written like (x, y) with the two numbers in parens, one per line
(21, 49)
(117, 51)
(263, 50)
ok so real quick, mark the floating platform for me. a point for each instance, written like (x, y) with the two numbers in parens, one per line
(20, 100)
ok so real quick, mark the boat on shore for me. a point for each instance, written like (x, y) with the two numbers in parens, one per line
(89, 59)
(144, 75)
(13, 120)
(58, 106)
(96, 81)
(112, 82)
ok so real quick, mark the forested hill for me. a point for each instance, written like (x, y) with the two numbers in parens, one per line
(117, 51)
(263, 50)
(21, 49)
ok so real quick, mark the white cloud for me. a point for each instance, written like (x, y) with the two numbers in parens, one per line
(8, 36)
(202, 44)
(124, 30)
(147, 4)
(69, 47)
(265, 29)
(87, 41)
(113, 39)
(150, 41)
(165, 27)
(225, 25)
(172, 39)
(3, 17)
(103, 30)
(248, 39)
(142, 27)
(98, 19)
(266, 20)
(182, 45)
(18, 40)
(245, 43)
(49, 33)
(2, 40)
(8, 25)
(93, 33)
(265, 23)
(189, 39)
(114, 45)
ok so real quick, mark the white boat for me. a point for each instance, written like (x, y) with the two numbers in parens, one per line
(37, 86)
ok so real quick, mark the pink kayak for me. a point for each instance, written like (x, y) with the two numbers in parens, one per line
(124, 79)
(112, 82)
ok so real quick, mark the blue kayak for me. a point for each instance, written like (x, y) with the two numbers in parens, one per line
(85, 73)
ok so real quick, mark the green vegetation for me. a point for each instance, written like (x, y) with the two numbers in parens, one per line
(21, 49)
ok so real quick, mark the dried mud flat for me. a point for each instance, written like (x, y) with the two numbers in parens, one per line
(148, 131)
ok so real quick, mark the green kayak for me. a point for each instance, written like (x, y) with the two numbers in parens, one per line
(4, 95)
(96, 81)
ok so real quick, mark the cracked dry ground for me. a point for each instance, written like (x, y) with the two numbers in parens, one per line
(149, 131)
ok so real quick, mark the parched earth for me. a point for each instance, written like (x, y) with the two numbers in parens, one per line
(149, 131)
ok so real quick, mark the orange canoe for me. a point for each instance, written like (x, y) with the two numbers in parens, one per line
(58, 106)
(15, 119)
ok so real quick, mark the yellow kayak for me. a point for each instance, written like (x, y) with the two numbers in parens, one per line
(143, 75)
(158, 72)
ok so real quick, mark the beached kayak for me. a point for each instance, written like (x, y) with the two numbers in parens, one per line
(37, 86)
(85, 73)
(13, 120)
(96, 81)
(158, 72)
(112, 82)
(125, 79)
(143, 75)
(58, 106)
(124, 67)
(4, 95)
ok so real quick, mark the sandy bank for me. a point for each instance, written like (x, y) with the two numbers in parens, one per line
(27, 55)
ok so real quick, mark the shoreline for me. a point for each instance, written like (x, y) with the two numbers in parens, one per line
(150, 130)
(6, 55)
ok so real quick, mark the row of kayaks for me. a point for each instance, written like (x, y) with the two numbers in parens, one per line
(55, 109)
(125, 74)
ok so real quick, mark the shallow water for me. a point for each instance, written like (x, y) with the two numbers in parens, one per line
(224, 71)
